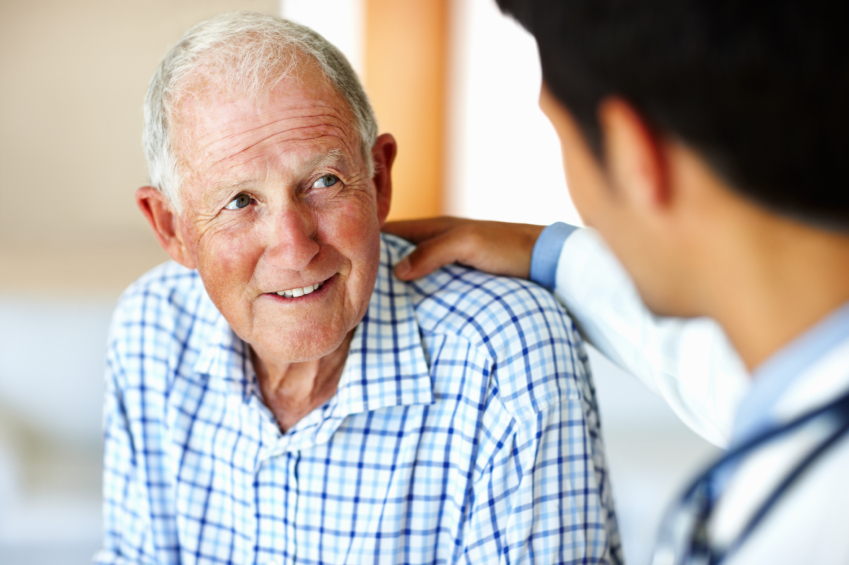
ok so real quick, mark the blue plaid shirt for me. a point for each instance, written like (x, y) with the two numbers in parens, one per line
(464, 429)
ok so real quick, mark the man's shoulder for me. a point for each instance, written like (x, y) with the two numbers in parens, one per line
(489, 310)
(167, 290)
(164, 306)
(164, 279)
(533, 345)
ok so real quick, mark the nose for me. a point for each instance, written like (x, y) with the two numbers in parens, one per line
(291, 241)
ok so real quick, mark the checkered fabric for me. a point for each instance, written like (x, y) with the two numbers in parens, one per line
(464, 429)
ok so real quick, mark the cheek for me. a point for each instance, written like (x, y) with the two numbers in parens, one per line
(226, 260)
(356, 236)
(587, 183)
(579, 181)
(354, 229)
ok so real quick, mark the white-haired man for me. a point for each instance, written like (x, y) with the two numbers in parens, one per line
(274, 395)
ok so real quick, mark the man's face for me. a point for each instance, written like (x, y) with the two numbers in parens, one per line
(280, 216)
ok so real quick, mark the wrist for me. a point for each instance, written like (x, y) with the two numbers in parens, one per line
(546, 253)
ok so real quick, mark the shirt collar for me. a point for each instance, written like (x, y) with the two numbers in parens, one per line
(386, 365)
(225, 358)
(777, 375)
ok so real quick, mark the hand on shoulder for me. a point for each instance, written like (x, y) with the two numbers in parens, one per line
(499, 248)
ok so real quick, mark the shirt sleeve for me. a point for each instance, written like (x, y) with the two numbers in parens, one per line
(690, 363)
(542, 493)
(126, 524)
(539, 501)
(546, 253)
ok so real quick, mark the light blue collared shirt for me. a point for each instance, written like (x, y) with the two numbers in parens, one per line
(464, 429)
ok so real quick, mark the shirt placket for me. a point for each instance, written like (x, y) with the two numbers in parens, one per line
(278, 498)
(293, 496)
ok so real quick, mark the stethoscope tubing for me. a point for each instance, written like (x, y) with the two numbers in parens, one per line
(699, 545)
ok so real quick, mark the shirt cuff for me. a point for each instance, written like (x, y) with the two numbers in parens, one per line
(546, 253)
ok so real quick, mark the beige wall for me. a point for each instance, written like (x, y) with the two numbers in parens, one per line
(72, 80)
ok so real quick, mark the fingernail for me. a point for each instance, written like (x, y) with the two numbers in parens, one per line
(403, 267)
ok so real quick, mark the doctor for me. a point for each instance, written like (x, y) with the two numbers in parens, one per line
(707, 142)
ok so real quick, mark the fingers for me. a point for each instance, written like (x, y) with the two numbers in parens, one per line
(430, 255)
(495, 247)
(420, 230)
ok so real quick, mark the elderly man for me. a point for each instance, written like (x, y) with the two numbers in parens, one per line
(274, 395)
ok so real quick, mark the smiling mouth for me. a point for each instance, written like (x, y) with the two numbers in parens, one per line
(297, 292)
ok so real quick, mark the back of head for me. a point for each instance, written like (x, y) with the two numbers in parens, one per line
(758, 87)
(246, 53)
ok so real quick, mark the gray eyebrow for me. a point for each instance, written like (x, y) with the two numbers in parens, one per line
(215, 190)
(330, 155)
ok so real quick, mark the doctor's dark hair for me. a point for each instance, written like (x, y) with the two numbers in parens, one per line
(760, 88)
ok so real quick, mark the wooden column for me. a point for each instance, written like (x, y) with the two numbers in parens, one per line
(406, 67)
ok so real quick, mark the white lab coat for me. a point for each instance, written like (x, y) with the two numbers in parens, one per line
(810, 524)
(688, 362)
(693, 367)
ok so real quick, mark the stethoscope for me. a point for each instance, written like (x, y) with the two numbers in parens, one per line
(684, 538)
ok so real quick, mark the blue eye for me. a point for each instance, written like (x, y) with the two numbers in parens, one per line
(242, 200)
(325, 181)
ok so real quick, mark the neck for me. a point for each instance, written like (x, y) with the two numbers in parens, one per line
(778, 280)
(293, 390)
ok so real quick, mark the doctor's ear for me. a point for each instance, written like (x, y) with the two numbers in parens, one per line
(633, 155)
(166, 224)
(383, 152)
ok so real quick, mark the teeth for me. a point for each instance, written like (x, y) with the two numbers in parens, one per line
(296, 292)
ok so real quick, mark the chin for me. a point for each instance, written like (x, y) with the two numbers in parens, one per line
(301, 346)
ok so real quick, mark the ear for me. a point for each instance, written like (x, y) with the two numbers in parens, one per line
(633, 155)
(383, 153)
(166, 224)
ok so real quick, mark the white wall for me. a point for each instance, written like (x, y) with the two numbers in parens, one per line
(51, 398)
(503, 157)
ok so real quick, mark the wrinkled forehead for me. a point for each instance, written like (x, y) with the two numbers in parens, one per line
(221, 81)
(217, 118)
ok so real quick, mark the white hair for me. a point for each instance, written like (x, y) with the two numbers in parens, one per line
(250, 53)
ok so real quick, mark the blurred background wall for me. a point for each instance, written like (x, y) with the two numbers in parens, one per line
(456, 83)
